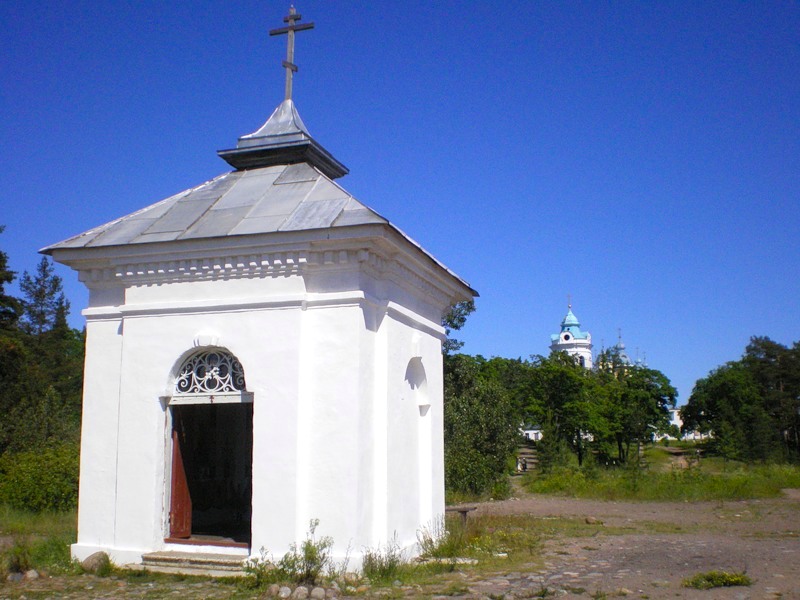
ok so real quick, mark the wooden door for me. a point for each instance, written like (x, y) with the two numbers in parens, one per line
(180, 509)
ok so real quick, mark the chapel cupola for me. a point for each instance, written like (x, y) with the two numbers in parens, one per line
(572, 340)
(284, 138)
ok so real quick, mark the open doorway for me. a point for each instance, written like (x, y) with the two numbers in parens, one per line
(211, 479)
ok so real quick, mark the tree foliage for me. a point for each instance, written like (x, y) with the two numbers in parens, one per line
(453, 321)
(10, 307)
(751, 406)
(41, 380)
(480, 430)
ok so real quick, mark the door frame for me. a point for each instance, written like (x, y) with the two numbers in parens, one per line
(169, 458)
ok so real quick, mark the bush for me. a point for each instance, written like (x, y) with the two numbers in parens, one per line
(715, 579)
(303, 565)
(40, 480)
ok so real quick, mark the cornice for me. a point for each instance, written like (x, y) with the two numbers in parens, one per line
(396, 267)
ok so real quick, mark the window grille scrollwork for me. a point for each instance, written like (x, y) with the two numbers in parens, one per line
(210, 372)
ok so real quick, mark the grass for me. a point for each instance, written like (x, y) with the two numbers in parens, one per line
(716, 579)
(713, 480)
(38, 541)
(17, 522)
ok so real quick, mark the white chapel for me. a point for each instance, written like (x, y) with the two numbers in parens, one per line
(572, 340)
(262, 350)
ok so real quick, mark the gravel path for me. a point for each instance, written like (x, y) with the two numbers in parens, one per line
(761, 537)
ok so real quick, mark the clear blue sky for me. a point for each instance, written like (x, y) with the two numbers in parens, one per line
(641, 156)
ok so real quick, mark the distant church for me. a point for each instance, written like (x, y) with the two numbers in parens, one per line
(578, 343)
(572, 340)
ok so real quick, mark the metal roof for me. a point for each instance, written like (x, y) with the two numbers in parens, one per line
(270, 199)
(284, 183)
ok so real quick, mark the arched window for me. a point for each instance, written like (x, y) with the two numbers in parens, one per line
(210, 372)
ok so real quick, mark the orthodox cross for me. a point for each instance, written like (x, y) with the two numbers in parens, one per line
(288, 64)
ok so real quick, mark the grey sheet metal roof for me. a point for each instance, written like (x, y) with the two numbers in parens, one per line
(283, 182)
(270, 199)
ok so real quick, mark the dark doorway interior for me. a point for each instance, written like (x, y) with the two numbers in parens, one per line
(212, 468)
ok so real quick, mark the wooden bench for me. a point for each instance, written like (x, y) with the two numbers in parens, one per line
(463, 510)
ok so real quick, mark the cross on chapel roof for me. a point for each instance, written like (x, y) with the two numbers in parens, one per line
(288, 64)
(284, 138)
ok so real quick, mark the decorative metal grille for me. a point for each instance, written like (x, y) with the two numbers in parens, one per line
(210, 372)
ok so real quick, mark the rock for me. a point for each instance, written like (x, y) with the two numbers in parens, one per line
(32, 574)
(300, 593)
(331, 593)
(95, 562)
(593, 521)
(318, 593)
(273, 590)
(14, 577)
(284, 592)
(362, 589)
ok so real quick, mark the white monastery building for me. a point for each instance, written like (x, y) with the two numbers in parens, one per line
(572, 340)
(261, 350)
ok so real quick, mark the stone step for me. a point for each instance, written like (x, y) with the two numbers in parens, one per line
(190, 563)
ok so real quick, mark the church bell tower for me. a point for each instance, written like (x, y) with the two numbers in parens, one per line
(572, 340)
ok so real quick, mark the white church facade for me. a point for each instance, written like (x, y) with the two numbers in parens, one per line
(262, 350)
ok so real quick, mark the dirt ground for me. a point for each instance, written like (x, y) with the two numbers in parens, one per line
(759, 537)
(637, 550)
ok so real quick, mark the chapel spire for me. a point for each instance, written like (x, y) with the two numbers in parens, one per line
(284, 138)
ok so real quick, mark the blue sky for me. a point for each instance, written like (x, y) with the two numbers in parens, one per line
(643, 157)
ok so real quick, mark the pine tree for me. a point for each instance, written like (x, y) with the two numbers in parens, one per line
(44, 298)
(10, 308)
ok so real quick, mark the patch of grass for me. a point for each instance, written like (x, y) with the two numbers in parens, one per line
(49, 555)
(731, 482)
(384, 565)
(21, 522)
(657, 456)
(500, 490)
(484, 537)
(444, 538)
(715, 579)
(41, 541)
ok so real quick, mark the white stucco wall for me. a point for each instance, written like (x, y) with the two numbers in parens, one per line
(339, 434)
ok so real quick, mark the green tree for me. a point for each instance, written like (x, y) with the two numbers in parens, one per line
(776, 371)
(41, 396)
(751, 406)
(561, 399)
(454, 320)
(480, 430)
(10, 307)
(646, 397)
(724, 404)
(43, 298)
